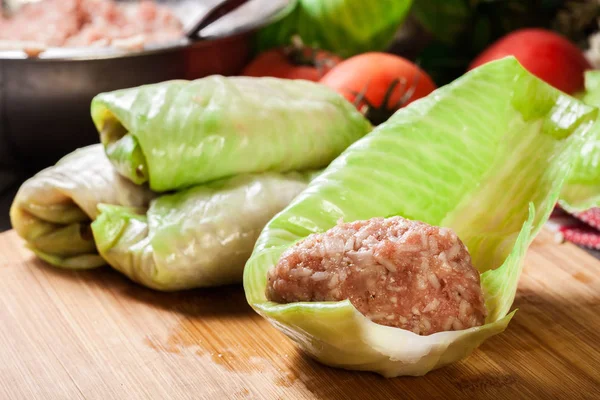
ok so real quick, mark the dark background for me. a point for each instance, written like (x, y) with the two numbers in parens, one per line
(11, 175)
(5, 200)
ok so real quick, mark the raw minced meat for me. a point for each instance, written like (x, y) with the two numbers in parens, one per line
(77, 23)
(397, 272)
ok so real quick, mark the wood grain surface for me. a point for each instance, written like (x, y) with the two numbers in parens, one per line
(95, 335)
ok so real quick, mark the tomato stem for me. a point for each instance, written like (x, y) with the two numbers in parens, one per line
(380, 114)
(299, 54)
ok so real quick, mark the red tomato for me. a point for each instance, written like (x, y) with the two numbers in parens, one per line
(292, 63)
(386, 82)
(545, 54)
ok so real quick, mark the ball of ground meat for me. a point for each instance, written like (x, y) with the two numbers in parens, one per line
(397, 272)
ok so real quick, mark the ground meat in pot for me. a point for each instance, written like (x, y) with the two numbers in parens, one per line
(79, 23)
(397, 272)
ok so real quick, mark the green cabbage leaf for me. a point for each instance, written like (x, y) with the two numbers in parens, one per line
(582, 189)
(486, 156)
(345, 27)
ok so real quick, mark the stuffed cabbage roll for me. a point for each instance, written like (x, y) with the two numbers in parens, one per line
(197, 237)
(178, 134)
(52, 210)
(482, 159)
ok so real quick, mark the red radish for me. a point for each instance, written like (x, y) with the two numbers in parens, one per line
(379, 83)
(544, 53)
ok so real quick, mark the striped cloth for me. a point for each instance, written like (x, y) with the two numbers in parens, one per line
(581, 228)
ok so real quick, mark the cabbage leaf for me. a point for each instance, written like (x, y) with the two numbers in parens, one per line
(582, 189)
(485, 156)
(345, 27)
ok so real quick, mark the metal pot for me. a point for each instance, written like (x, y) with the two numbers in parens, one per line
(44, 101)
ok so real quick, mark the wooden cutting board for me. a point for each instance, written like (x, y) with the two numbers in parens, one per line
(95, 335)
